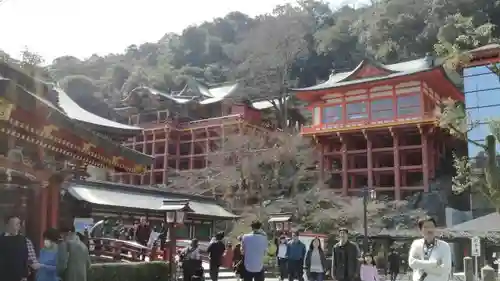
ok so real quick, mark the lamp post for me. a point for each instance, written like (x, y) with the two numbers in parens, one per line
(175, 212)
(367, 194)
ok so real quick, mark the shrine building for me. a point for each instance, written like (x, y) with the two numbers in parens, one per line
(44, 141)
(181, 129)
(375, 126)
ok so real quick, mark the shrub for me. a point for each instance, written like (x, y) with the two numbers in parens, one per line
(143, 271)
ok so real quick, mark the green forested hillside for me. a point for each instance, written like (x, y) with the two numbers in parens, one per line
(292, 46)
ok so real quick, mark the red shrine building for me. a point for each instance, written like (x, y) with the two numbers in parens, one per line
(181, 129)
(375, 126)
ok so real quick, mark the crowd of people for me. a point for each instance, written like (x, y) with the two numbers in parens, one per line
(63, 255)
(429, 257)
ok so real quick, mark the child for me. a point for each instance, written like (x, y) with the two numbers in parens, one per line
(368, 271)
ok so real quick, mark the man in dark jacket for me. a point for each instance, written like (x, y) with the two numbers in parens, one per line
(216, 251)
(295, 254)
(394, 264)
(17, 253)
(142, 232)
(345, 258)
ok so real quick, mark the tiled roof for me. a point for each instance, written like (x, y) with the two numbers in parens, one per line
(394, 70)
(74, 111)
(145, 198)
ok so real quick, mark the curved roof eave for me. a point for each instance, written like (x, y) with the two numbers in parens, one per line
(363, 80)
(167, 96)
(363, 64)
(74, 111)
(396, 69)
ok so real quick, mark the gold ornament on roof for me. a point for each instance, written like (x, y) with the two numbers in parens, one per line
(116, 159)
(48, 129)
(87, 146)
(6, 109)
(139, 169)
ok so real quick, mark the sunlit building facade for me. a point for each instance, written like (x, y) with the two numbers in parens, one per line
(482, 99)
(482, 103)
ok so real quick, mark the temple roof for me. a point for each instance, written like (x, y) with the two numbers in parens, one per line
(29, 94)
(197, 92)
(74, 111)
(369, 70)
(118, 195)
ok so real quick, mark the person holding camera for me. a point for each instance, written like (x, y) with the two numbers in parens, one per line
(429, 257)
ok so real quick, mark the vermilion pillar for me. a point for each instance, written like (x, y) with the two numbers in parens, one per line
(321, 147)
(397, 168)
(425, 160)
(42, 211)
(53, 193)
(345, 167)
(369, 160)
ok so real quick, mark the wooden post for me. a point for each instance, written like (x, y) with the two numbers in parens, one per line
(468, 269)
(397, 168)
(425, 159)
(488, 273)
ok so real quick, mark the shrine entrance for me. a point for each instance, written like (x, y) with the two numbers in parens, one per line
(35, 202)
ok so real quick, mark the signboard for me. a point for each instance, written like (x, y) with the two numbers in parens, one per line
(476, 246)
(81, 224)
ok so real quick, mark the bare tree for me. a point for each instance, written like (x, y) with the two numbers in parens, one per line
(267, 54)
(253, 167)
(322, 210)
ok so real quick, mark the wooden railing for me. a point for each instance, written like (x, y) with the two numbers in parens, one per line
(123, 250)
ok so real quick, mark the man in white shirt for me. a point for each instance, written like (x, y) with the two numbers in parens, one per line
(281, 249)
(429, 257)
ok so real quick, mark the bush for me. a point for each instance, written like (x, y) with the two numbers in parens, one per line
(144, 271)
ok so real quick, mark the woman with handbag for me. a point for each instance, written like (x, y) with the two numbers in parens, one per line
(315, 263)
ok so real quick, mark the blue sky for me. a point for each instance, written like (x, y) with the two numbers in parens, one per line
(81, 28)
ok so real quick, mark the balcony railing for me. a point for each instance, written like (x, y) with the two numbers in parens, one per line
(210, 121)
(367, 124)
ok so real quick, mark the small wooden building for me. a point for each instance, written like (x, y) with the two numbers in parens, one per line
(99, 199)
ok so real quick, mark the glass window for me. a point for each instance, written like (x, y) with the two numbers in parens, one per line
(356, 111)
(481, 82)
(408, 111)
(383, 114)
(476, 70)
(409, 105)
(382, 109)
(482, 98)
(332, 114)
(382, 104)
(409, 101)
(482, 114)
(478, 133)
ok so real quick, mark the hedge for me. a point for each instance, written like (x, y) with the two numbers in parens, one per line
(143, 271)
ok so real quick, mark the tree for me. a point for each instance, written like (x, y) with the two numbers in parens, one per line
(254, 167)
(321, 210)
(267, 55)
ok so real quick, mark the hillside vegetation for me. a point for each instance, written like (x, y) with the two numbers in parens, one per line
(294, 45)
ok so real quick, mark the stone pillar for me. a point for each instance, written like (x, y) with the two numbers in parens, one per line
(488, 273)
(469, 269)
